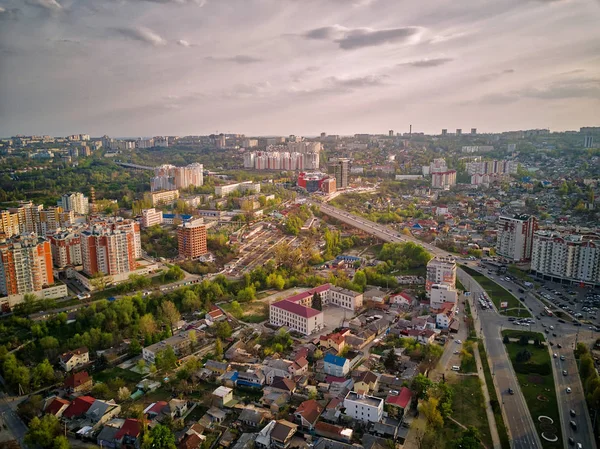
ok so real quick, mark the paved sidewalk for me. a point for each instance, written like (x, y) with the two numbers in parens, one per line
(486, 397)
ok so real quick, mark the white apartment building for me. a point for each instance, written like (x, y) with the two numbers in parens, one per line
(441, 270)
(75, 201)
(144, 143)
(151, 217)
(344, 298)
(66, 249)
(492, 167)
(438, 166)
(281, 160)
(304, 147)
(443, 179)
(169, 177)
(296, 316)
(363, 407)
(441, 293)
(570, 257)
(246, 186)
(515, 237)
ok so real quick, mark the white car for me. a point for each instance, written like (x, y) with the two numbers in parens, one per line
(458, 341)
(568, 389)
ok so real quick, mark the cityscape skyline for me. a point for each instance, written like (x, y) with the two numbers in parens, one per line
(266, 67)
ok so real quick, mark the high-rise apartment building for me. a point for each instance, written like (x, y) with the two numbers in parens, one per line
(151, 217)
(281, 160)
(443, 179)
(25, 265)
(111, 247)
(458, 132)
(473, 131)
(440, 270)
(340, 168)
(75, 201)
(515, 237)
(169, 177)
(53, 218)
(9, 224)
(29, 217)
(588, 141)
(492, 167)
(162, 197)
(566, 257)
(191, 239)
(66, 248)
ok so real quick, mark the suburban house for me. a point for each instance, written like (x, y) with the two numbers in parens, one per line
(363, 407)
(102, 411)
(425, 337)
(333, 432)
(73, 359)
(283, 384)
(403, 299)
(250, 378)
(307, 414)
(375, 295)
(335, 341)
(78, 382)
(154, 410)
(445, 315)
(56, 406)
(365, 382)
(177, 408)
(395, 405)
(217, 368)
(215, 315)
(335, 365)
(282, 434)
(251, 418)
(78, 407)
(222, 396)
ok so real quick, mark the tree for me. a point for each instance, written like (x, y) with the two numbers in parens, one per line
(524, 340)
(159, 437)
(61, 442)
(123, 394)
(169, 314)
(222, 330)
(236, 310)
(191, 302)
(317, 303)
(276, 281)
(318, 354)
(429, 408)
(420, 385)
(31, 407)
(360, 279)
(42, 432)
(390, 359)
(166, 359)
(469, 439)
(141, 366)
(100, 281)
(247, 294)
(101, 391)
(218, 349)
(43, 374)
(506, 340)
(523, 356)
(147, 324)
(193, 337)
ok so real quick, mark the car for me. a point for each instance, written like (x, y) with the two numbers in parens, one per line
(568, 390)
(564, 372)
(579, 446)
(551, 327)
(553, 334)
(571, 441)
(561, 320)
(562, 357)
(456, 352)
(511, 391)
(555, 355)
(559, 346)
(572, 413)
(458, 341)
(576, 323)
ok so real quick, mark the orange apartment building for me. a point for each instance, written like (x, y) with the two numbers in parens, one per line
(191, 239)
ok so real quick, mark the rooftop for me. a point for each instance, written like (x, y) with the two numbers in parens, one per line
(371, 401)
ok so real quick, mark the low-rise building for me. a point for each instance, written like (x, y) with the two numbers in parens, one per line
(151, 217)
(307, 414)
(78, 382)
(180, 344)
(222, 396)
(363, 407)
(73, 359)
(335, 365)
(162, 197)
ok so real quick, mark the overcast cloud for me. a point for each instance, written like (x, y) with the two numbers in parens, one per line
(259, 67)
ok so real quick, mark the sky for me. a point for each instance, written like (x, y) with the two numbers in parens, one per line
(280, 67)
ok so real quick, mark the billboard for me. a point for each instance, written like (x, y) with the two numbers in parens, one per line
(503, 305)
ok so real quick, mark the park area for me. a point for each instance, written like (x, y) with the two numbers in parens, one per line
(498, 294)
(468, 406)
(531, 361)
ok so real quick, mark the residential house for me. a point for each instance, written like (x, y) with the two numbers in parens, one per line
(191, 441)
(425, 337)
(445, 315)
(404, 299)
(275, 400)
(102, 411)
(282, 433)
(299, 367)
(107, 438)
(245, 441)
(78, 382)
(215, 315)
(73, 359)
(129, 433)
(177, 408)
(78, 407)
(250, 378)
(154, 410)
(374, 295)
(397, 404)
(335, 365)
(222, 396)
(335, 341)
(180, 343)
(216, 415)
(334, 432)
(388, 428)
(218, 368)
(251, 418)
(363, 407)
(56, 406)
(307, 414)
(365, 382)
(276, 368)
(284, 385)
(263, 438)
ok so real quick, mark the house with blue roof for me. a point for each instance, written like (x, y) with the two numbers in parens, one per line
(336, 365)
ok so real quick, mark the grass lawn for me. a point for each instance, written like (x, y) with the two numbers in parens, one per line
(468, 406)
(502, 433)
(534, 386)
(498, 293)
(459, 286)
(254, 312)
(129, 377)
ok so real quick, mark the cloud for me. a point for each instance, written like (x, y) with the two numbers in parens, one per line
(50, 5)
(353, 38)
(566, 89)
(434, 62)
(336, 85)
(495, 75)
(200, 3)
(183, 43)
(238, 59)
(142, 34)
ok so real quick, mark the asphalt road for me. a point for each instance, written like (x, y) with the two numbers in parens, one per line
(566, 335)
(8, 416)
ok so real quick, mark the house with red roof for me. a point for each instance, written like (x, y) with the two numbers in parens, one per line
(336, 340)
(295, 316)
(215, 315)
(128, 434)
(78, 407)
(78, 382)
(56, 406)
(404, 299)
(426, 336)
(307, 414)
(155, 409)
(395, 405)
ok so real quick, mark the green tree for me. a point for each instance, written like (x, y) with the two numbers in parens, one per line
(101, 391)
(276, 281)
(420, 385)
(166, 359)
(218, 349)
(390, 360)
(469, 439)
(191, 301)
(222, 330)
(360, 279)
(42, 432)
(159, 437)
(317, 302)
(247, 294)
(506, 340)
(236, 310)
(429, 408)
(61, 442)
(169, 314)
(43, 374)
